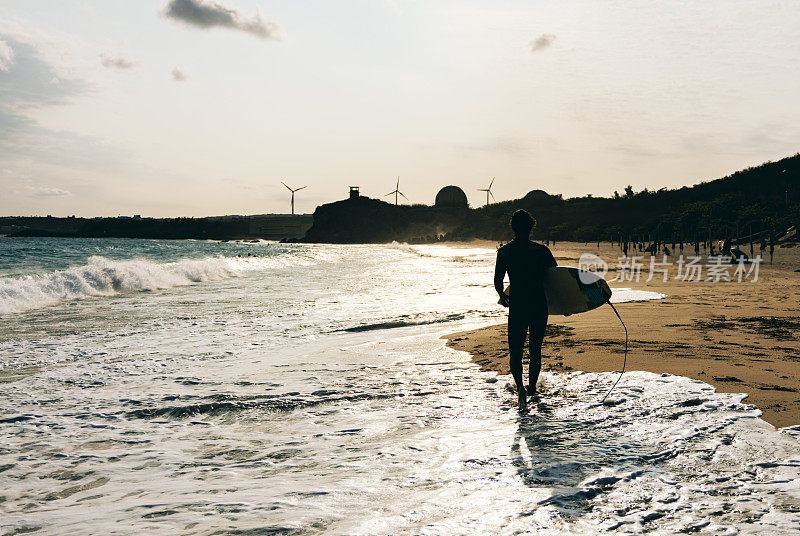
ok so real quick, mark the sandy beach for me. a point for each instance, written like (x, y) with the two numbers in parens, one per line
(738, 337)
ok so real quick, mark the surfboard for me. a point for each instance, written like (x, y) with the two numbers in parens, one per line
(571, 291)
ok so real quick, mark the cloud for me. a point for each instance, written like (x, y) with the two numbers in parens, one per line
(6, 56)
(542, 42)
(117, 63)
(45, 191)
(34, 82)
(178, 75)
(32, 85)
(208, 14)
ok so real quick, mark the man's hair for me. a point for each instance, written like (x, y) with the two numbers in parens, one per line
(522, 223)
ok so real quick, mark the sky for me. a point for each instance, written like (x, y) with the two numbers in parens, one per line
(201, 107)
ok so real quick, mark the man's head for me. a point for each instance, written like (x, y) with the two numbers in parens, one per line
(522, 223)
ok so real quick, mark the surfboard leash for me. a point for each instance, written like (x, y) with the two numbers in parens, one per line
(625, 355)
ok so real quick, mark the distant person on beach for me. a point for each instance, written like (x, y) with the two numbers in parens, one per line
(737, 255)
(526, 263)
(725, 248)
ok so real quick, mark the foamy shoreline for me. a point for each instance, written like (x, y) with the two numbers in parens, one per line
(737, 337)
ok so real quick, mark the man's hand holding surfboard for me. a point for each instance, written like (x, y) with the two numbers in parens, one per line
(504, 299)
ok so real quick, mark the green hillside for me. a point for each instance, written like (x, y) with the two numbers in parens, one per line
(762, 199)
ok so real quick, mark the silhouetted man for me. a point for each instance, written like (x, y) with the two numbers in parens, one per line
(526, 263)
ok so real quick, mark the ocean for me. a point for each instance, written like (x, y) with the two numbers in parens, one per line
(201, 387)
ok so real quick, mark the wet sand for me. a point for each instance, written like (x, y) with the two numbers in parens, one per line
(738, 337)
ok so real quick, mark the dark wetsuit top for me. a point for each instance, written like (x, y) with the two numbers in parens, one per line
(526, 263)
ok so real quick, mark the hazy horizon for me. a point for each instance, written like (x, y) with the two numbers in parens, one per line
(199, 108)
(480, 203)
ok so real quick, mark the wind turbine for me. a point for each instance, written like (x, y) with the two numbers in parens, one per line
(488, 191)
(397, 191)
(293, 191)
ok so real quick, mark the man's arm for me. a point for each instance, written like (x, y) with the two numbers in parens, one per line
(551, 261)
(499, 276)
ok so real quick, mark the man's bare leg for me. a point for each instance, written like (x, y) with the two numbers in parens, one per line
(534, 369)
(536, 340)
(516, 372)
(517, 333)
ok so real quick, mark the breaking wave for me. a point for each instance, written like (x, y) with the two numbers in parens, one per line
(106, 277)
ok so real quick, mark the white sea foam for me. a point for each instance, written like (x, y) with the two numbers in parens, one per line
(459, 254)
(624, 295)
(323, 400)
(105, 277)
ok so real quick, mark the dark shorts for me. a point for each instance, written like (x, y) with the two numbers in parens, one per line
(529, 319)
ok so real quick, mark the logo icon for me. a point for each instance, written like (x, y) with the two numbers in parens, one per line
(589, 262)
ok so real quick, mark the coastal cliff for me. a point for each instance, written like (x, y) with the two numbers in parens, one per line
(364, 220)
